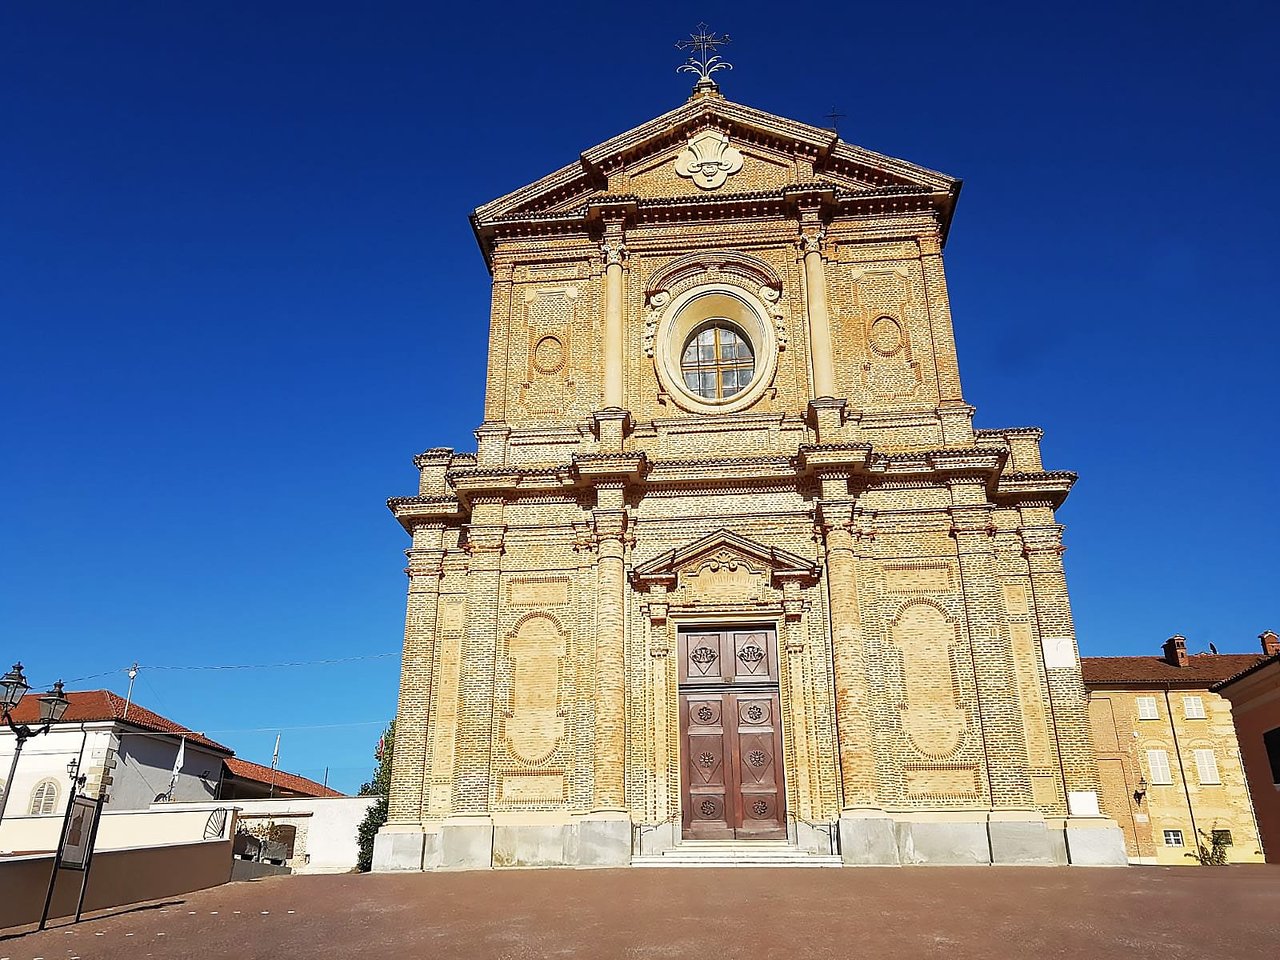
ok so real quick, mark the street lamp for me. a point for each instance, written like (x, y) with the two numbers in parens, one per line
(13, 686)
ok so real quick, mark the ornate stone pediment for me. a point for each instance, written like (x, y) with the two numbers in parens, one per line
(690, 152)
(723, 568)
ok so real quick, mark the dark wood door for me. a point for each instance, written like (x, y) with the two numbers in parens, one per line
(731, 772)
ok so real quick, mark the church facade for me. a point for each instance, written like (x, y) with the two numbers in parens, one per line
(731, 572)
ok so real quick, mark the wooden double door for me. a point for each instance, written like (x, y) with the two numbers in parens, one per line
(731, 735)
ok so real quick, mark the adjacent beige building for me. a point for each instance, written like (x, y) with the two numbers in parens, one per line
(731, 573)
(1168, 755)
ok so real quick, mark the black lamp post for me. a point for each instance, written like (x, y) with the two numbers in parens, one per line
(13, 686)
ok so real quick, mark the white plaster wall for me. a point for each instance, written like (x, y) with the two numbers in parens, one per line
(164, 825)
(46, 757)
(330, 824)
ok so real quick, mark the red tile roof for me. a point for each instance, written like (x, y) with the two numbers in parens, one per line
(1260, 664)
(99, 705)
(248, 770)
(1202, 669)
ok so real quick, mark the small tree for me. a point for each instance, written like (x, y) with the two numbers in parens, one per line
(380, 787)
(1215, 854)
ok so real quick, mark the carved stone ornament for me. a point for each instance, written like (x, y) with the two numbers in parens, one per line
(658, 301)
(708, 160)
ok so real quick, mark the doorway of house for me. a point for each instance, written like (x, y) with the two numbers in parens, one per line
(731, 734)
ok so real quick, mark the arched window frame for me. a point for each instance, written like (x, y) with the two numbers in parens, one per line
(44, 798)
(718, 360)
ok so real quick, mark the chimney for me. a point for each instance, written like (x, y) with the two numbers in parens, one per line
(1175, 651)
(1270, 643)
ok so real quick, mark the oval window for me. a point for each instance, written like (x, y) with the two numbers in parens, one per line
(717, 361)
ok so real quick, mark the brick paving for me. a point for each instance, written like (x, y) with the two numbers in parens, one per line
(1161, 912)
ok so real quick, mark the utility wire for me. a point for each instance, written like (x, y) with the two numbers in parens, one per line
(230, 666)
(265, 666)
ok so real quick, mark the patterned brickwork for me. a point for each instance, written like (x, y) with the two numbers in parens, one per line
(910, 567)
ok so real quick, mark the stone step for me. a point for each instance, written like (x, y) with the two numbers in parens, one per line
(730, 860)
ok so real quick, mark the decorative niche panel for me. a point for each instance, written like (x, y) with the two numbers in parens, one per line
(551, 348)
(889, 368)
(932, 717)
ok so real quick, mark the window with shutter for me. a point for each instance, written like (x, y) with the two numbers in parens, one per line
(1207, 766)
(1193, 708)
(44, 798)
(1147, 708)
(1158, 767)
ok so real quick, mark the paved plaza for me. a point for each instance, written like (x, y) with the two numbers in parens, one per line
(722, 913)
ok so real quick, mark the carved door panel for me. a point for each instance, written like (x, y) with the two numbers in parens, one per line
(707, 776)
(731, 733)
(732, 772)
(729, 656)
(758, 749)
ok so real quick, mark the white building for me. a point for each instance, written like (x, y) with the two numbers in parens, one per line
(122, 748)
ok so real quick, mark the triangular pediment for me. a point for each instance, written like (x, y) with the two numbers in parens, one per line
(723, 550)
(675, 157)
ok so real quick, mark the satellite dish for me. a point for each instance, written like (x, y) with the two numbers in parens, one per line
(1213, 649)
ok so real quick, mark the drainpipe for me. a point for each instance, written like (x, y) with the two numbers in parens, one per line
(1177, 751)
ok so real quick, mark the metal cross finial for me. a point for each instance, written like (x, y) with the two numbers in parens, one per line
(705, 61)
(835, 116)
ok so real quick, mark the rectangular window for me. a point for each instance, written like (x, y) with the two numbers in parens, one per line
(1173, 838)
(1193, 708)
(1158, 767)
(1207, 766)
(1147, 708)
(1271, 740)
(1222, 837)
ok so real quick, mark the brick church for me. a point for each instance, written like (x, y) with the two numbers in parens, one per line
(731, 575)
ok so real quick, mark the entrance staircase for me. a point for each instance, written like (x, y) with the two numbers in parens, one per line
(735, 853)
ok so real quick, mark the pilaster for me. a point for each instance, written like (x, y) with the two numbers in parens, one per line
(1004, 738)
(1068, 701)
(944, 340)
(475, 727)
(495, 397)
(410, 757)
(853, 725)
(610, 526)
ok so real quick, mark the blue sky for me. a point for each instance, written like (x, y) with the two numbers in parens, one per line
(238, 291)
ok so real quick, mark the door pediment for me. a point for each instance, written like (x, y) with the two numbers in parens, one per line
(723, 568)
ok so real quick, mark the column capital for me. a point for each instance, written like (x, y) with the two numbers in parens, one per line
(609, 524)
(812, 239)
(930, 245)
(613, 252)
(485, 541)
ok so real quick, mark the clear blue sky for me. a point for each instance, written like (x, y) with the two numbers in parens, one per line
(238, 292)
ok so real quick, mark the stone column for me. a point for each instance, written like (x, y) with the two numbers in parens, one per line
(812, 233)
(614, 252)
(611, 715)
(409, 759)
